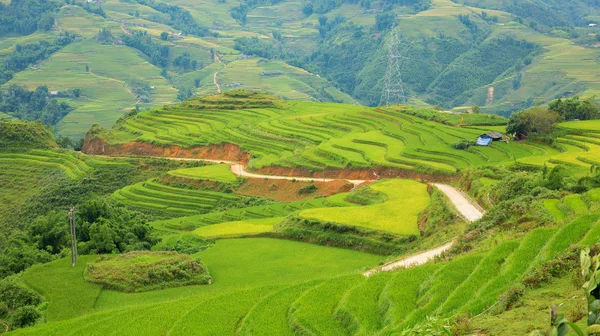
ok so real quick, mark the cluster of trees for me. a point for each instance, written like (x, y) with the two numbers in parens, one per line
(176, 17)
(258, 47)
(158, 54)
(185, 62)
(18, 303)
(539, 122)
(141, 90)
(32, 105)
(25, 55)
(576, 109)
(26, 16)
(102, 227)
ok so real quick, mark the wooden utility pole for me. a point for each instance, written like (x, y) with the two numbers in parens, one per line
(73, 234)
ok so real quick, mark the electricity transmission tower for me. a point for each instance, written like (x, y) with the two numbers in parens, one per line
(393, 87)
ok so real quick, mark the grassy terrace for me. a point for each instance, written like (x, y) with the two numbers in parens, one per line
(316, 136)
(319, 297)
(180, 201)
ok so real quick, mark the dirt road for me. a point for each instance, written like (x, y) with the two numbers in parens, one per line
(216, 83)
(240, 170)
(412, 261)
(468, 209)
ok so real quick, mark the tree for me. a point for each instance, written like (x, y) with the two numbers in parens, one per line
(164, 36)
(307, 8)
(46, 21)
(476, 109)
(385, 20)
(25, 316)
(50, 232)
(76, 93)
(536, 120)
(197, 82)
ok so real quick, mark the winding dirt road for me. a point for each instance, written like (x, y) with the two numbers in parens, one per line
(467, 208)
(240, 170)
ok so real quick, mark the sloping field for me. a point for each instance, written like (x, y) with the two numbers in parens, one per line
(181, 201)
(319, 136)
(285, 299)
(398, 214)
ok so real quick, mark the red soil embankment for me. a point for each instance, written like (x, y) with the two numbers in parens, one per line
(289, 191)
(357, 174)
(227, 152)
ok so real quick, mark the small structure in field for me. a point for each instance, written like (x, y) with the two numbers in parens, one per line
(496, 136)
(484, 140)
(487, 138)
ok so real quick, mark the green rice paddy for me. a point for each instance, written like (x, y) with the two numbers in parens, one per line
(397, 215)
(220, 173)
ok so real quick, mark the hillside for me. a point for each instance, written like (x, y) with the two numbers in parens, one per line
(326, 139)
(268, 216)
(104, 58)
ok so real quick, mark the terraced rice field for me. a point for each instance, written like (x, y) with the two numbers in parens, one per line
(180, 201)
(399, 214)
(22, 174)
(220, 173)
(319, 136)
(288, 302)
(243, 215)
(68, 163)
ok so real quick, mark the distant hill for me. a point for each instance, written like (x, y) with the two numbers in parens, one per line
(139, 53)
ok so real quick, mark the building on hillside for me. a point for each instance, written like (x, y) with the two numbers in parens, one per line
(484, 140)
(496, 136)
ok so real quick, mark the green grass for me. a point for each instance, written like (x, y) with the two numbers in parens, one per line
(514, 266)
(220, 172)
(359, 310)
(155, 196)
(312, 312)
(587, 125)
(552, 206)
(68, 295)
(377, 217)
(270, 316)
(239, 228)
(281, 261)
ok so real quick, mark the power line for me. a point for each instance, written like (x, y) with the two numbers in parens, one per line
(73, 234)
(393, 87)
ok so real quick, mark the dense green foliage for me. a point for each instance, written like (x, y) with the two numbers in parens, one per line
(177, 17)
(144, 271)
(576, 109)
(25, 17)
(22, 134)
(18, 303)
(33, 105)
(159, 54)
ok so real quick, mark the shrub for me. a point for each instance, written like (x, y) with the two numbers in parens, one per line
(24, 317)
(142, 271)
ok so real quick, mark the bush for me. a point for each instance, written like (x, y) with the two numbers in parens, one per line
(142, 271)
(463, 144)
(24, 317)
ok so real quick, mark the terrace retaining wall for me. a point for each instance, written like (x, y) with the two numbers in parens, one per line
(225, 151)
